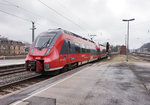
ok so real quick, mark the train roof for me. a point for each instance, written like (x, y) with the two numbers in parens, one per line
(73, 34)
(60, 30)
(102, 45)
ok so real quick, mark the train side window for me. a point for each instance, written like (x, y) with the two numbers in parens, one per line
(91, 50)
(83, 48)
(80, 46)
(70, 51)
(77, 48)
(87, 48)
(69, 44)
(64, 49)
(72, 47)
(98, 51)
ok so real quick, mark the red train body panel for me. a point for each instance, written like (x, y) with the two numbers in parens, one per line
(55, 49)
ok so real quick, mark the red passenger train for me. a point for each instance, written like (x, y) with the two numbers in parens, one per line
(58, 48)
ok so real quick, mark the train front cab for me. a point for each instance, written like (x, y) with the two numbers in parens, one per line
(44, 54)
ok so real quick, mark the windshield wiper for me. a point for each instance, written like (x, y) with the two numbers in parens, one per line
(45, 44)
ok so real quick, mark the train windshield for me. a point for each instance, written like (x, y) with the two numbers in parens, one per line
(44, 40)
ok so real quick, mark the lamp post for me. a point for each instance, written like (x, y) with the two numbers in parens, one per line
(33, 28)
(127, 46)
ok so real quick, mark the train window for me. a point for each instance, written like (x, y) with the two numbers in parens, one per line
(42, 41)
(83, 48)
(69, 44)
(77, 48)
(104, 51)
(91, 50)
(98, 51)
(64, 48)
(80, 46)
(72, 47)
(87, 49)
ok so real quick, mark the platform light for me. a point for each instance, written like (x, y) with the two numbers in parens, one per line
(127, 46)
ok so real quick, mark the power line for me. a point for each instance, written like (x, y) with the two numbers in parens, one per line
(5, 4)
(60, 14)
(15, 16)
(17, 6)
(12, 4)
(77, 17)
(20, 17)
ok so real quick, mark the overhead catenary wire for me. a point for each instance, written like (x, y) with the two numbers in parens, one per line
(10, 3)
(17, 6)
(61, 15)
(70, 12)
(31, 13)
(72, 17)
(16, 16)
(5, 4)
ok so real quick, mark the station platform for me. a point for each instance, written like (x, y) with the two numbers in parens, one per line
(8, 62)
(101, 83)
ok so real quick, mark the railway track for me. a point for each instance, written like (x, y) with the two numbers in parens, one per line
(9, 80)
(142, 56)
(13, 74)
(11, 71)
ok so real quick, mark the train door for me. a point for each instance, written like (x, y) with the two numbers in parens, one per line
(69, 52)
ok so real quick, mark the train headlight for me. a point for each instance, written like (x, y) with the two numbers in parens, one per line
(46, 66)
(31, 52)
(47, 52)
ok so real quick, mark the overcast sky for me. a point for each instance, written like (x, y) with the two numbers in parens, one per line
(84, 17)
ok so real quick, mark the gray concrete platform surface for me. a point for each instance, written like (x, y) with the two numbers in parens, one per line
(8, 62)
(97, 84)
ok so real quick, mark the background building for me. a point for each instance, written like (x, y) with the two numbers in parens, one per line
(123, 50)
(118, 49)
(10, 47)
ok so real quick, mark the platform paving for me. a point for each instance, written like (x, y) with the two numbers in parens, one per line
(108, 83)
(8, 62)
